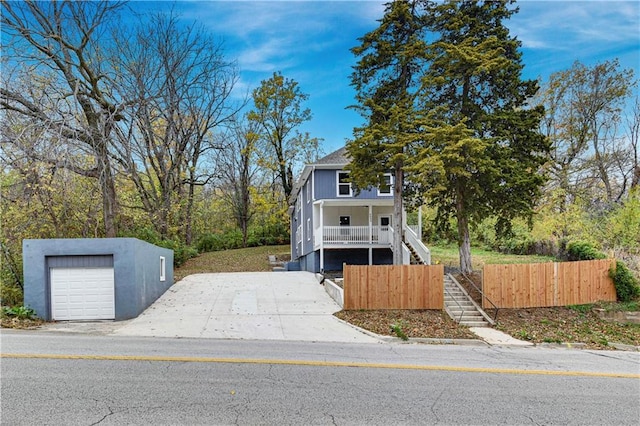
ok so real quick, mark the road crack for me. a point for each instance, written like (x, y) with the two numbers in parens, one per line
(111, 412)
(432, 408)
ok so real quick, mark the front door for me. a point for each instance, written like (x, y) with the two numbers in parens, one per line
(384, 221)
(345, 221)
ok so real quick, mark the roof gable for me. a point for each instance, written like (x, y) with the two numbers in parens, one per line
(339, 157)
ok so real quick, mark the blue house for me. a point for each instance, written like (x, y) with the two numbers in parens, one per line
(331, 225)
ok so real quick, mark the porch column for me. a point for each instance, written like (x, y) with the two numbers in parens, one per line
(420, 223)
(370, 224)
(370, 234)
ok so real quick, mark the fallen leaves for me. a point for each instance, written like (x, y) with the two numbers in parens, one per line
(414, 323)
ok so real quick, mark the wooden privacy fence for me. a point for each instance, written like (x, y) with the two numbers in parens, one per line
(393, 287)
(548, 284)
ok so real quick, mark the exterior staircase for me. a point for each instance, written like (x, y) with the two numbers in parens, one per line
(461, 307)
(415, 257)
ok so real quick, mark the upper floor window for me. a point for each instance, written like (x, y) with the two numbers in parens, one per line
(344, 186)
(387, 185)
(308, 192)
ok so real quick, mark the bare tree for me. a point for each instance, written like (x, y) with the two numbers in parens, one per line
(238, 169)
(179, 85)
(583, 115)
(633, 124)
(60, 83)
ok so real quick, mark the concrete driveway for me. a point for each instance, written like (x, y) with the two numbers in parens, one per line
(250, 305)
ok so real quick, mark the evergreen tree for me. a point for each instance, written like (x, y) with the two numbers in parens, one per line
(386, 78)
(481, 151)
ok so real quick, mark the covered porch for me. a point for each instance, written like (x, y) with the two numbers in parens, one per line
(340, 223)
(352, 224)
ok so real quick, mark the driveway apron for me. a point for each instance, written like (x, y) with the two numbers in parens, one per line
(248, 305)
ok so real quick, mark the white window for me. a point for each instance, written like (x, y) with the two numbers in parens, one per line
(344, 186)
(308, 229)
(308, 192)
(387, 186)
(163, 268)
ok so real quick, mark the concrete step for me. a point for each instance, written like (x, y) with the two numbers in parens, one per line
(474, 323)
(455, 297)
(466, 314)
(460, 307)
(461, 304)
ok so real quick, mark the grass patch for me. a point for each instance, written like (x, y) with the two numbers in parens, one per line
(253, 259)
(449, 256)
(633, 306)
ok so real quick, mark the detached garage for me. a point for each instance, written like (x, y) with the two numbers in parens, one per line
(94, 279)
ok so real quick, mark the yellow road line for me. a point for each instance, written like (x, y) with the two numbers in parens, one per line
(324, 364)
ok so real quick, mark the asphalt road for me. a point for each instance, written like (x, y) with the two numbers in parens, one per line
(84, 380)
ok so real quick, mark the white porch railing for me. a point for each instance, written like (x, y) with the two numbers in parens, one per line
(423, 252)
(356, 235)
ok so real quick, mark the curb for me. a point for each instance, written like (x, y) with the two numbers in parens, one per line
(480, 342)
(416, 340)
(625, 347)
(567, 345)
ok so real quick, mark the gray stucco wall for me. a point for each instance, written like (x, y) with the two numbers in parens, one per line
(136, 271)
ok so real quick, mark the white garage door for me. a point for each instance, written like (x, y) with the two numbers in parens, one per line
(82, 293)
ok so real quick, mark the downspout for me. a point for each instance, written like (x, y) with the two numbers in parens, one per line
(370, 235)
(313, 184)
(322, 236)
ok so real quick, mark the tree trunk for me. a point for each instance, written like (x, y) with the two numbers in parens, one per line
(188, 219)
(108, 189)
(397, 215)
(109, 204)
(464, 241)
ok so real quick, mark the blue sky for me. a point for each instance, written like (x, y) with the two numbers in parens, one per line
(310, 41)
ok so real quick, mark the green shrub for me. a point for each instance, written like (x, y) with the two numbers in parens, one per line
(181, 251)
(210, 242)
(583, 250)
(20, 312)
(10, 295)
(583, 309)
(231, 239)
(398, 329)
(626, 284)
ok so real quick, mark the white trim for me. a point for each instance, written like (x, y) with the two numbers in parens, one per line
(308, 229)
(338, 172)
(390, 193)
(163, 268)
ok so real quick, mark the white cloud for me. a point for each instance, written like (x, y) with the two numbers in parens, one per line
(270, 36)
(563, 25)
